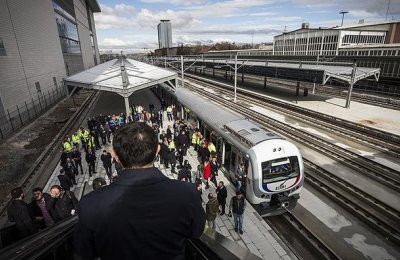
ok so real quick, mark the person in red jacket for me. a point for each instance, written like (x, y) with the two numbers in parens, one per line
(207, 171)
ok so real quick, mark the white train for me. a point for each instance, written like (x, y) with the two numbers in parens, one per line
(274, 166)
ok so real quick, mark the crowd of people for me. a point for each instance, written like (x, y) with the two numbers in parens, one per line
(46, 209)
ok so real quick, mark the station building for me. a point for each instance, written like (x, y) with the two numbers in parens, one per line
(328, 41)
(42, 42)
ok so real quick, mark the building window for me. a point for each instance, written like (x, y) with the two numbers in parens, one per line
(2, 48)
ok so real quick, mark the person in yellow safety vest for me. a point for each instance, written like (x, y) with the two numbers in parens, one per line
(211, 147)
(67, 146)
(169, 113)
(171, 145)
(90, 143)
(194, 139)
(76, 139)
(199, 139)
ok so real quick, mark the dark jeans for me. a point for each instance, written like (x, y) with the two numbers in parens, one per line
(78, 163)
(91, 168)
(108, 171)
(222, 204)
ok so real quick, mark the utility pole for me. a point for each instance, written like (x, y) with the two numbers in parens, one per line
(387, 10)
(182, 71)
(234, 99)
(343, 13)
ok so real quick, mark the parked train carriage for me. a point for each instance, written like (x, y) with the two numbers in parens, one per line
(274, 166)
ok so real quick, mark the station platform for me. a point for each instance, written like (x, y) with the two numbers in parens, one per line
(258, 236)
(369, 115)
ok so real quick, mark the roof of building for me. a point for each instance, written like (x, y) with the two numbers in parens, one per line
(350, 27)
(108, 76)
(94, 5)
(366, 24)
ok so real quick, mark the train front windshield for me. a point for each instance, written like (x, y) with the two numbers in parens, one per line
(280, 169)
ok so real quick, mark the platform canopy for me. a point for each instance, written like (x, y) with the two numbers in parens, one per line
(122, 76)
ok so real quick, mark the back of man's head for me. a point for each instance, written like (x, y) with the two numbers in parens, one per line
(98, 182)
(135, 145)
(16, 192)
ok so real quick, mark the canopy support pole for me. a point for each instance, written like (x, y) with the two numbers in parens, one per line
(126, 99)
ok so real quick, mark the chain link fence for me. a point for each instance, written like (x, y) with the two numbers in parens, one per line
(24, 113)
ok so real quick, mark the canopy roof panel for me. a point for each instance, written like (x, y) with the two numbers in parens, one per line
(123, 76)
(293, 70)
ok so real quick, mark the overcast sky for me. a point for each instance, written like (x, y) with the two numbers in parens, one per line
(132, 25)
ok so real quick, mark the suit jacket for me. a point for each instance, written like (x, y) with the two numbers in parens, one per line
(141, 215)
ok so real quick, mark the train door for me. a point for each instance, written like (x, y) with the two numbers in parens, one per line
(227, 159)
(247, 169)
(220, 150)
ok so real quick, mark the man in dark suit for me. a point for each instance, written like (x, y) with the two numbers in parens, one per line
(65, 181)
(142, 214)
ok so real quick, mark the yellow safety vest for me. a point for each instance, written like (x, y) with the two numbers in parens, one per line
(194, 138)
(75, 138)
(67, 147)
(90, 142)
(198, 140)
(211, 148)
(171, 145)
(85, 134)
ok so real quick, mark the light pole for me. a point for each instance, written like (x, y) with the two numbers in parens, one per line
(343, 13)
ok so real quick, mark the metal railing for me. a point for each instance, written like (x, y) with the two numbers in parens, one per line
(24, 113)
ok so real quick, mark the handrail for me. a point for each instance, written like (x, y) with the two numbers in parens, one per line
(52, 241)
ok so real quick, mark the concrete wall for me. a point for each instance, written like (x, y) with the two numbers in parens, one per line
(30, 36)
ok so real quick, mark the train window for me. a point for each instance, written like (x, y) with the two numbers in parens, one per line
(280, 169)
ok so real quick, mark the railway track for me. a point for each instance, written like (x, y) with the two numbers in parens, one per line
(376, 171)
(42, 162)
(373, 212)
(314, 245)
(377, 139)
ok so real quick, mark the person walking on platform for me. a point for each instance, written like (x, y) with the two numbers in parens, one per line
(65, 181)
(211, 210)
(91, 161)
(237, 206)
(111, 219)
(207, 172)
(164, 153)
(77, 159)
(103, 135)
(204, 154)
(214, 170)
(20, 213)
(106, 158)
(240, 176)
(42, 205)
(169, 113)
(172, 159)
(222, 194)
(70, 170)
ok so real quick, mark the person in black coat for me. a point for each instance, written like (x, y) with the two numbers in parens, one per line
(20, 213)
(164, 153)
(214, 170)
(143, 214)
(204, 153)
(65, 181)
(91, 161)
(65, 203)
(222, 194)
(172, 159)
(42, 207)
(106, 158)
